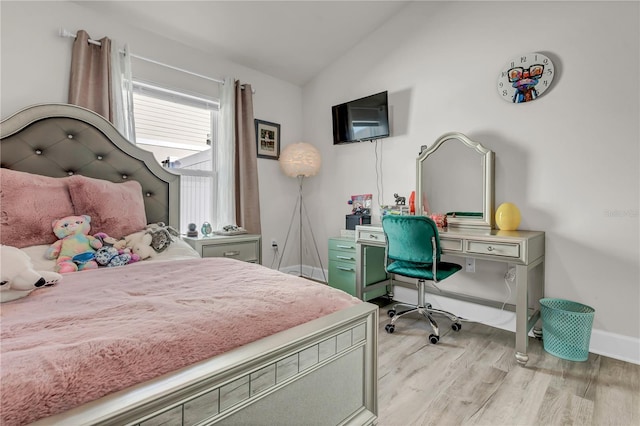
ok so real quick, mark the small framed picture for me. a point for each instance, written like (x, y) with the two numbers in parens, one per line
(268, 139)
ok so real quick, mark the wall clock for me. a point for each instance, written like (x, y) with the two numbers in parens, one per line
(525, 77)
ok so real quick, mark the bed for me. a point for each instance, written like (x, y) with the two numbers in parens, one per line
(173, 340)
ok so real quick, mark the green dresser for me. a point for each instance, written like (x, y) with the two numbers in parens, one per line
(342, 266)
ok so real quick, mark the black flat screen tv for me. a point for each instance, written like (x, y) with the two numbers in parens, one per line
(360, 120)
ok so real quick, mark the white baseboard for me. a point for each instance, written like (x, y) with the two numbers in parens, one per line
(312, 272)
(612, 345)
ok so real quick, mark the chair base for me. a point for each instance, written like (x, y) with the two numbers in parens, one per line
(426, 310)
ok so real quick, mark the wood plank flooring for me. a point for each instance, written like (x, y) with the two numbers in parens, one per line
(472, 378)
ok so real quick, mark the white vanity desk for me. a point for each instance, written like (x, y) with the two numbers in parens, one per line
(524, 249)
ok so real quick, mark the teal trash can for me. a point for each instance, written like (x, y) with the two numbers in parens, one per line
(566, 328)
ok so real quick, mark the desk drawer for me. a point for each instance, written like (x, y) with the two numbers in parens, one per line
(493, 248)
(370, 236)
(247, 251)
(342, 256)
(342, 245)
(451, 244)
(342, 275)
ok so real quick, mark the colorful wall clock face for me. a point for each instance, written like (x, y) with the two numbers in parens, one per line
(525, 77)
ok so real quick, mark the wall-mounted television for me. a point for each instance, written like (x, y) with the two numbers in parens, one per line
(360, 120)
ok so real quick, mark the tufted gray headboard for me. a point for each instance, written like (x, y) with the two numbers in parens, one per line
(59, 140)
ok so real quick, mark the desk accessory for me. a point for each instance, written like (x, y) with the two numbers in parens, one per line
(508, 217)
(360, 204)
(353, 220)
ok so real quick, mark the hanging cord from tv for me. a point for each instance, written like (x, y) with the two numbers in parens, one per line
(378, 166)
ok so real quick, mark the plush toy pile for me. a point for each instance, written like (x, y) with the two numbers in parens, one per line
(113, 252)
(18, 276)
(76, 250)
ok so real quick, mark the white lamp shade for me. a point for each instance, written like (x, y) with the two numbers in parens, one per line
(300, 159)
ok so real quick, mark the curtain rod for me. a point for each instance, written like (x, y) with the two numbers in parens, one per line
(65, 33)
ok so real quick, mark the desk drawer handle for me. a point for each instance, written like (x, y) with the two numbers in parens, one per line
(344, 257)
(342, 268)
(490, 248)
(231, 253)
(341, 246)
(375, 237)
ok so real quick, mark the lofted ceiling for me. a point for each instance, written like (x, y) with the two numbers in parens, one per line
(289, 40)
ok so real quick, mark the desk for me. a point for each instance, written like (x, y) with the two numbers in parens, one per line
(524, 249)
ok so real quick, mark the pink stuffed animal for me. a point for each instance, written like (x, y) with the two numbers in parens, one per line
(75, 249)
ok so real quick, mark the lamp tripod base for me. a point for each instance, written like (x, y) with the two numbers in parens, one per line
(301, 210)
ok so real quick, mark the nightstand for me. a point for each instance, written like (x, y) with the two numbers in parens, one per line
(246, 247)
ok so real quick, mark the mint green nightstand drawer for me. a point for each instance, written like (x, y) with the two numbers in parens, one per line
(342, 275)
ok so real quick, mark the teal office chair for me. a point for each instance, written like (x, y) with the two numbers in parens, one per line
(413, 250)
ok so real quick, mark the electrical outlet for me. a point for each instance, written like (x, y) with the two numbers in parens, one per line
(510, 276)
(274, 243)
(470, 263)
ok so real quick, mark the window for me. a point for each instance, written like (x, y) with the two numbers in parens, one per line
(180, 129)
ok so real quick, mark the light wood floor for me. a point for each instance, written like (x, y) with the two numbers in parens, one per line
(471, 378)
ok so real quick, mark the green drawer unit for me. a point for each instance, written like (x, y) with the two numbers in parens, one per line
(342, 266)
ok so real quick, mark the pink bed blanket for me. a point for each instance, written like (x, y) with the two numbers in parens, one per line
(101, 331)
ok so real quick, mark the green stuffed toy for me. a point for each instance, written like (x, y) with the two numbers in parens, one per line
(75, 249)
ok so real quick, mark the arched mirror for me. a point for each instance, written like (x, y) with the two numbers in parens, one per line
(455, 177)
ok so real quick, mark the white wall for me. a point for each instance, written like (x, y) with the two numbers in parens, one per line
(35, 66)
(569, 160)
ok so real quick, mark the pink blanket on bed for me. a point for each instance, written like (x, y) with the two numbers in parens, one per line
(101, 331)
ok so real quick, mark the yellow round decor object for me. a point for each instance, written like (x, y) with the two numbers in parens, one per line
(508, 217)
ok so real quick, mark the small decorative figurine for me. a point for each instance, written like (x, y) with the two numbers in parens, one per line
(400, 201)
(192, 231)
(206, 229)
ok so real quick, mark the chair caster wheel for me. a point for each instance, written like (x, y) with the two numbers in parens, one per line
(391, 313)
(434, 339)
(389, 328)
(456, 327)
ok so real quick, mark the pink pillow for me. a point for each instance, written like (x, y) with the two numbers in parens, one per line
(30, 203)
(116, 209)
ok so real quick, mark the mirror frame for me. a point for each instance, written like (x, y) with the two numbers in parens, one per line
(487, 219)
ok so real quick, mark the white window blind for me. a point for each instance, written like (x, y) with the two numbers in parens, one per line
(180, 129)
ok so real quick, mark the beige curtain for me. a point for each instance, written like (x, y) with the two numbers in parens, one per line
(89, 85)
(246, 159)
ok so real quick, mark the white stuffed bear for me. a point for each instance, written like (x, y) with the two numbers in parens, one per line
(18, 278)
(140, 244)
(142, 247)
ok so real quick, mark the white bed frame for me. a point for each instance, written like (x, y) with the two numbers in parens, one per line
(323, 372)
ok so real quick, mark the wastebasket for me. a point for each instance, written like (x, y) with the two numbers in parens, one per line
(566, 328)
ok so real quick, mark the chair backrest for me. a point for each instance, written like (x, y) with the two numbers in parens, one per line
(411, 238)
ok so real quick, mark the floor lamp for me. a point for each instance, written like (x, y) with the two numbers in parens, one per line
(300, 160)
